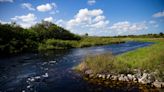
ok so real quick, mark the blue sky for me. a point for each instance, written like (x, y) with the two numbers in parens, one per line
(95, 17)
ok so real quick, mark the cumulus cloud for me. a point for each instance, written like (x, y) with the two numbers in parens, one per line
(25, 20)
(88, 18)
(46, 7)
(126, 26)
(4, 22)
(159, 14)
(28, 6)
(91, 2)
(7, 1)
(86, 21)
(94, 22)
(49, 19)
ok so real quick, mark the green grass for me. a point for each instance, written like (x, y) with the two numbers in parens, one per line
(57, 44)
(84, 42)
(95, 63)
(149, 58)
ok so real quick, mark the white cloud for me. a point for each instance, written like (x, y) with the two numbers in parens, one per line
(125, 26)
(94, 22)
(86, 21)
(46, 7)
(91, 2)
(159, 14)
(88, 18)
(49, 19)
(4, 22)
(7, 1)
(25, 20)
(28, 6)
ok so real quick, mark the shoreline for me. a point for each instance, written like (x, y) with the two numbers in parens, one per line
(136, 67)
(140, 80)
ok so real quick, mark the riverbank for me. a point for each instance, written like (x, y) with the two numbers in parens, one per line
(144, 65)
(51, 44)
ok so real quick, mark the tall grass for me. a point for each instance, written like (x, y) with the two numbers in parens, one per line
(97, 63)
(57, 44)
(94, 41)
(84, 42)
(149, 58)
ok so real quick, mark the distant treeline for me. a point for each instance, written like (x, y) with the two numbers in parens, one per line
(14, 39)
(160, 35)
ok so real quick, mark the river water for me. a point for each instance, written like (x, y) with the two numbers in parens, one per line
(51, 71)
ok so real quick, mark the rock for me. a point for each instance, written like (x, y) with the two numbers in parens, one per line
(130, 77)
(114, 77)
(138, 73)
(158, 84)
(121, 78)
(144, 79)
(88, 72)
(151, 78)
(126, 78)
(103, 76)
(135, 79)
(108, 76)
(99, 75)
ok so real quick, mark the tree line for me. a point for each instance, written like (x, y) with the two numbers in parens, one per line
(15, 39)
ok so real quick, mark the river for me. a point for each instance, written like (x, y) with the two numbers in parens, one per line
(51, 71)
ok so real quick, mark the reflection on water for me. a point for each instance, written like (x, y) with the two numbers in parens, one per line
(52, 71)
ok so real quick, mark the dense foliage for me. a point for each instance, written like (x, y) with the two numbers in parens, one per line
(14, 39)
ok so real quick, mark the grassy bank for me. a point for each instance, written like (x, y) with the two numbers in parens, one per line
(149, 58)
(84, 42)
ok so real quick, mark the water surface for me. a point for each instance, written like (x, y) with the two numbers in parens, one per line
(52, 71)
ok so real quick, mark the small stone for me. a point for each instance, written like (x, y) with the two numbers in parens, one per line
(126, 78)
(135, 79)
(144, 79)
(103, 76)
(121, 78)
(114, 77)
(158, 84)
(108, 76)
(99, 75)
(88, 72)
(130, 77)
